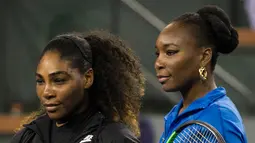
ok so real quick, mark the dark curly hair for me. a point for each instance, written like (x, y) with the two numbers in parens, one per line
(118, 80)
(211, 27)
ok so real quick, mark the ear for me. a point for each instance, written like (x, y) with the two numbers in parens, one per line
(88, 78)
(206, 56)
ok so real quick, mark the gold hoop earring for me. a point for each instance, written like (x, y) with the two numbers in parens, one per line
(203, 73)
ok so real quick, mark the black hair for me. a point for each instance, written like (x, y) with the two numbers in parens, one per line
(211, 27)
(118, 80)
(72, 47)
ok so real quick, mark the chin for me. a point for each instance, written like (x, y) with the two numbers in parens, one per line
(54, 116)
(168, 88)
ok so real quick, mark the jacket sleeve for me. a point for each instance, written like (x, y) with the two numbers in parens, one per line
(233, 131)
(115, 134)
(23, 136)
(18, 136)
(227, 123)
(103, 138)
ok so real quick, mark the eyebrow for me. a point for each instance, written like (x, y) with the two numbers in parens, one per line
(169, 44)
(37, 74)
(54, 73)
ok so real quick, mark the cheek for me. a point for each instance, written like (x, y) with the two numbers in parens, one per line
(71, 95)
(185, 69)
(39, 91)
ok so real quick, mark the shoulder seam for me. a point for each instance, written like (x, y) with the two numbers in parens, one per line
(222, 126)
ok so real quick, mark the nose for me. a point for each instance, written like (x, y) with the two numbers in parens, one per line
(159, 64)
(48, 92)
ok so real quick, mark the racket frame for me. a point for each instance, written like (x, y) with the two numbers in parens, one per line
(213, 130)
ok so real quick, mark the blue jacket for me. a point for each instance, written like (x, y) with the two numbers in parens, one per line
(214, 108)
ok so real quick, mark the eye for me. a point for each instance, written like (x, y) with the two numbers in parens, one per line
(59, 81)
(171, 52)
(39, 81)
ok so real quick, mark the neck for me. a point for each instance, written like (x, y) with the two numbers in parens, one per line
(197, 90)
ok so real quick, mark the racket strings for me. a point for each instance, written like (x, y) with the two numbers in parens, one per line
(191, 138)
(207, 134)
(195, 134)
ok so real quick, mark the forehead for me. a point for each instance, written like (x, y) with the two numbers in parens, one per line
(176, 34)
(51, 62)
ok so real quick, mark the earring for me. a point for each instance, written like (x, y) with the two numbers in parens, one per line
(203, 73)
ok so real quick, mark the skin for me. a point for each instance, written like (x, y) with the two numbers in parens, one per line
(178, 62)
(60, 87)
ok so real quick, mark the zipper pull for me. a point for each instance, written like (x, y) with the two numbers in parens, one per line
(163, 140)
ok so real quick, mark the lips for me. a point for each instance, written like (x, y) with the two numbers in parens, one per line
(51, 107)
(163, 79)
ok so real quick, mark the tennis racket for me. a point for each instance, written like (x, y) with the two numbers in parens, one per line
(195, 132)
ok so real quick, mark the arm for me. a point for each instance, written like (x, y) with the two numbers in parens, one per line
(227, 122)
(233, 128)
(18, 136)
(103, 138)
(115, 133)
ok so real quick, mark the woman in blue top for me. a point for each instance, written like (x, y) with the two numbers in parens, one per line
(187, 50)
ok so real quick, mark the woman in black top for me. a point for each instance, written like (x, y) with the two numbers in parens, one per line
(90, 87)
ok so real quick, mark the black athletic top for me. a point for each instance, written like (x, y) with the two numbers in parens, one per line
(92, 128)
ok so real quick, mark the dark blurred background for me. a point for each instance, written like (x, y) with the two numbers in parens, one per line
(26, 26)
